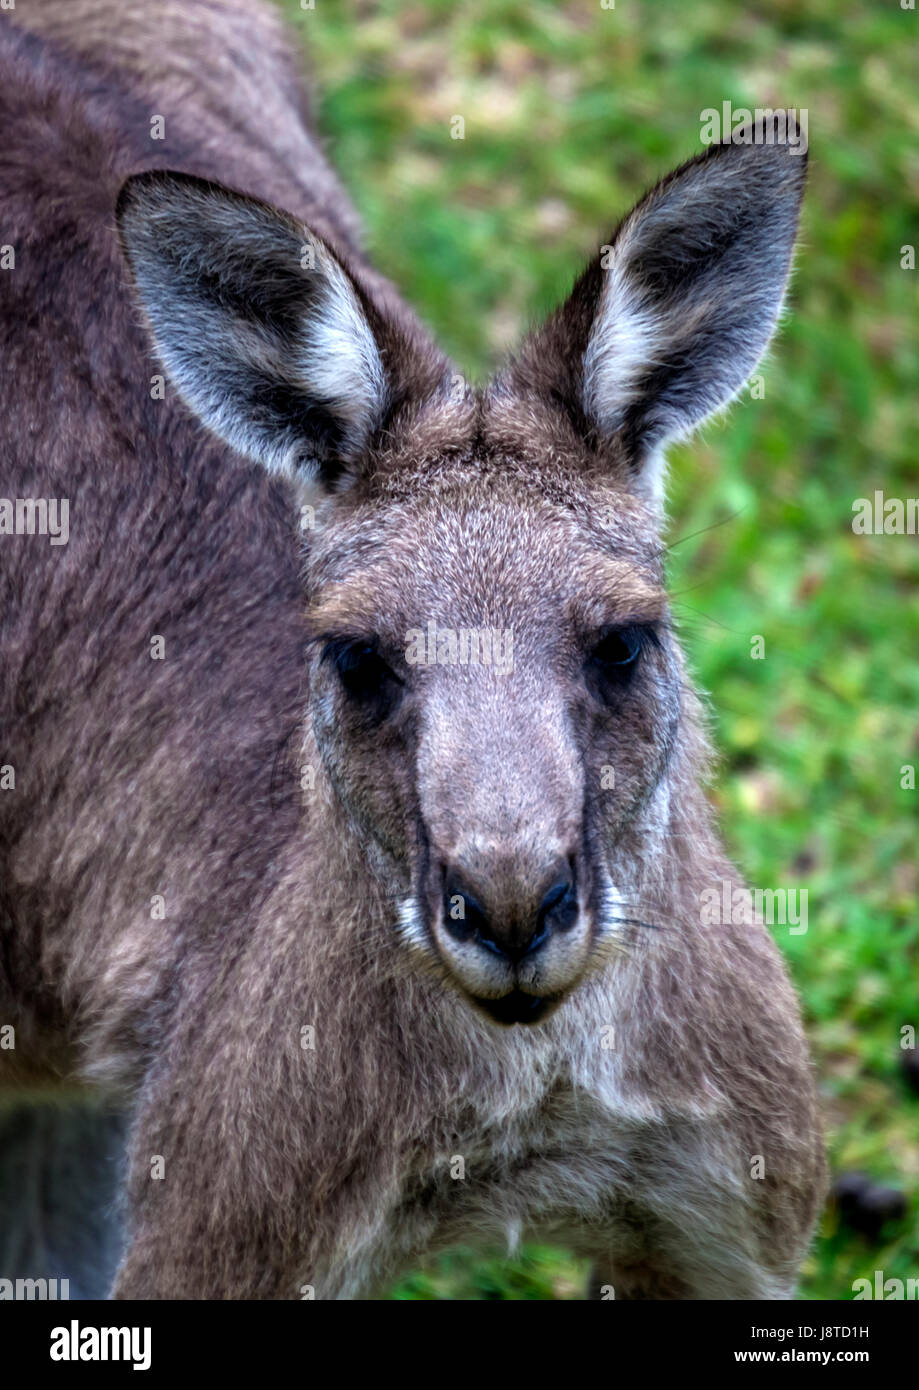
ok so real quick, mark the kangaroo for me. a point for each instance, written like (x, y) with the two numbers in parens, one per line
(353, 840)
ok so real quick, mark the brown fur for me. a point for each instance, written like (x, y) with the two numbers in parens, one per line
(329, 1166)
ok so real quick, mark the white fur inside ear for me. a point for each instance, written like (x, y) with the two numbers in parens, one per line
(626, 342)
(339, 361)
(629, 339)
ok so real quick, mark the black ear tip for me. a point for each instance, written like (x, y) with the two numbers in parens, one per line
(777, 133)
(770, 155)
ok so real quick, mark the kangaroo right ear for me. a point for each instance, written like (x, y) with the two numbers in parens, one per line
(668, 322)
(266, 337)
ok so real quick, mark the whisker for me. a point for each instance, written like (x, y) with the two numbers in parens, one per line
(637, 922)
(672, 545)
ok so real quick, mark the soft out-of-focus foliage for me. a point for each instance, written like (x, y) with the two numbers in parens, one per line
(570, 111)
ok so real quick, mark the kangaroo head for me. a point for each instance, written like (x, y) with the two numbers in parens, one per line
(495, 689)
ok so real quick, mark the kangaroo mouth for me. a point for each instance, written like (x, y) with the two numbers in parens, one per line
(517, 1007)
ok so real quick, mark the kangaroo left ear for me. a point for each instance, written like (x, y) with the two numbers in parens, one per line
(268, 339)
(667, 324)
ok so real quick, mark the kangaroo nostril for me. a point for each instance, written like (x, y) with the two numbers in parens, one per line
(464, 917)
(558, 910)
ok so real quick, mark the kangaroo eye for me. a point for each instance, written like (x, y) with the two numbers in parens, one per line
(365, 676)
(614, 657)
(618, 648)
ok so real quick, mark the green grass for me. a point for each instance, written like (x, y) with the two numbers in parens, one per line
(570, 112)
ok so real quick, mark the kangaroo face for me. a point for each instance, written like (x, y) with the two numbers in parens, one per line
(494, 688)
(494, 695)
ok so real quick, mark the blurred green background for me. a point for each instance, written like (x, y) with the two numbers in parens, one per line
(571, 111)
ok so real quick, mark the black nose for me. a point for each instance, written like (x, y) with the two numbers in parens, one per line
(510, 929)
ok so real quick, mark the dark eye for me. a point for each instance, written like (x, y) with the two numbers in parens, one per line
(614, 658)
(364, 674)
(618, 648)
